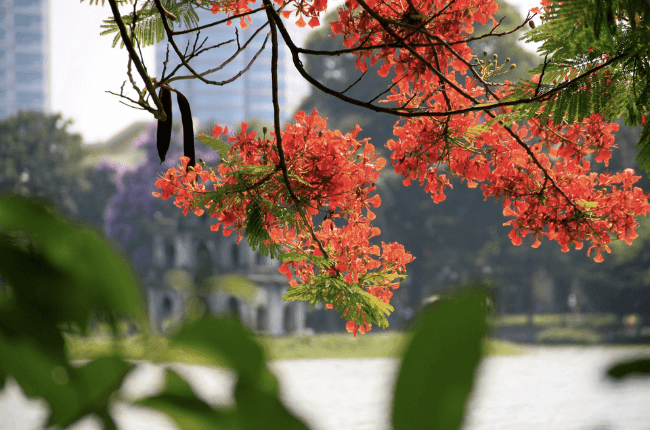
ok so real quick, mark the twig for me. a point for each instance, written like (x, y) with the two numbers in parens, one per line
(160, 113)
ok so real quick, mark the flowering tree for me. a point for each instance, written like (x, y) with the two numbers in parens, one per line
(529, 144)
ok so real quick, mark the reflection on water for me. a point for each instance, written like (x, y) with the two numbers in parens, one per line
(546, 389)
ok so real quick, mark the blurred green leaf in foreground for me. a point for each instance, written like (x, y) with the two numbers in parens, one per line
(57, 275)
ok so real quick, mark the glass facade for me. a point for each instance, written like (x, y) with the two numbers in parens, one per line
(247, 97)
(24, 77)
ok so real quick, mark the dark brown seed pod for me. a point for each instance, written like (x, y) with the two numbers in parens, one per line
(164, 136)
(188, 128)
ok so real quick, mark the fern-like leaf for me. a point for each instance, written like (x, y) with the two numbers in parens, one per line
(257, 234)
(644, 148)
(148, 27)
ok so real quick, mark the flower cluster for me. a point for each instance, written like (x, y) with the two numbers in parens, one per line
(547, 185)
(318, 172)
(540, 170)
(300, 8)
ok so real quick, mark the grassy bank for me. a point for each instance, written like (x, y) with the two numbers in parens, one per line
(339, 345)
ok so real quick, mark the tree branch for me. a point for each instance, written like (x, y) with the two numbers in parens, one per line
(160, 113)
(278, 132)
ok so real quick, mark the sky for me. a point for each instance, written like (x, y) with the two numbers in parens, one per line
(83, 67)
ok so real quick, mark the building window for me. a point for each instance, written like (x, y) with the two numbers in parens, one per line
(234, 255)
(26, 39)
(27, 3)
(24, 77)
(28, 99)
(26, 20)
(26, 59)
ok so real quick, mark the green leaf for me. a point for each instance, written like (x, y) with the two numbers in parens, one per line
(263, 410)
(644, 148)
(299, 256)
(630, 368)
(95, 382)
(81, 265)
(254, 170)
(41, 375)
(226, 341)
(58, 273)
(218, 145)
(147, 26)
(587, 204)
(437, 371)
(179, 401)
(384, 308)
(256, 233)
(256, 391)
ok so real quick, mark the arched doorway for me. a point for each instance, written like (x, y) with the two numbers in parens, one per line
(262, 316)
(288, 324)
(232, 309)
(166, 308)
(203, 270)
(170, 254)
(203, 264)
(234, 255)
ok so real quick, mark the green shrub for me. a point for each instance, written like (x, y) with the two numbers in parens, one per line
(569, 335)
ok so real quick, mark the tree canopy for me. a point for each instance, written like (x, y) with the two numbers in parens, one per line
(307, 193)
(39, 157)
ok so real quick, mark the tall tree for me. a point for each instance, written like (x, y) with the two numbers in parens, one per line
(39, 157)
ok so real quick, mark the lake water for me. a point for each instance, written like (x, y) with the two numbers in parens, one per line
(545, 389)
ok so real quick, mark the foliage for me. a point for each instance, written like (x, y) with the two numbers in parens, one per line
(520, 143)
(462, 239)
(243, 188)
(596, 63)
(630, 368)
(155, 348)
(57, 275)
(569, 335)
(130, 212)
(89, 277)
(145, 24)
(40, 157)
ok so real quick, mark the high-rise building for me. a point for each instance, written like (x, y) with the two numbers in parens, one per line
(24, 75)
(247, 97)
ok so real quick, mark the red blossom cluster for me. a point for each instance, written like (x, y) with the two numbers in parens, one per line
(553, 194)
(541, 171)
(331, 174)
(300, 8)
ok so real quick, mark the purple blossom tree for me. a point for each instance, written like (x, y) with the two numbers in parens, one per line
(131, 213)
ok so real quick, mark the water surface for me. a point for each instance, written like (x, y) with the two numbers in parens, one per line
(545, 389)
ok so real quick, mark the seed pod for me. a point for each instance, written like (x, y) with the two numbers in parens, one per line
(164, 135)
(188, 128)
